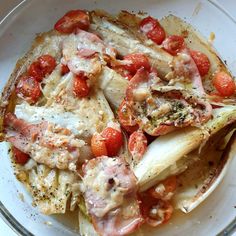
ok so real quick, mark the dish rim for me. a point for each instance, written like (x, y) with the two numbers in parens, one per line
(18, 228)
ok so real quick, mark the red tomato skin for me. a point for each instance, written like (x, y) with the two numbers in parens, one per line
(224, 84)
(173, 44)
(28, 88)
(35, 71)
(148, 24)
(125, 118)
(137, 60)
(137, 143)
(146, 204)
(64, 69)
(113, 139)
(153, 30)
(19, 156)
(170, 185)
(47, 64)
(130, 129)
(44, 65)
(80, 87)
(157, 35)
(202, 62)
(98, 145)
(73, 20)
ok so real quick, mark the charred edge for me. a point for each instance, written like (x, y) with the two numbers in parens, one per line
(223, 160)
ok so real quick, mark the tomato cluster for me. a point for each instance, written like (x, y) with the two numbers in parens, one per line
(28, 86)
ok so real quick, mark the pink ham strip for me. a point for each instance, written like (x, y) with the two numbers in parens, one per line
(23, 128)
(188, 68)
(22, 135)
(94, 39)
(115, 221)
(196, 79)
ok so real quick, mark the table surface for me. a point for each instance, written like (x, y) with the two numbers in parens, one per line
(6, 6)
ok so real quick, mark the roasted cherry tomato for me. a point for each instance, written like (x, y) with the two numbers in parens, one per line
(137, 144)
(64, 69)
(28, 88)
(42, 66)
(47, 64)
(80, 86)
(35, 71)
(98, 145)
(153, 30)
(224, 84)
(19, 156)
(155, 211)
(148, 24)
(126, 119)
(202, 62)
(168, 187)
(173, 44)
(113, 139)
(135, 61)
(72, 20)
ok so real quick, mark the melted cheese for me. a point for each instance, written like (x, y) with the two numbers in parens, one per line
(83, 117)
(106, 182)
(79, 64)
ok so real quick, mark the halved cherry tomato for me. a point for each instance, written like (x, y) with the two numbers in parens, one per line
(155, 211)
(153, 30)
(42, 66)
(71, 21)
(169, 184)
(35, 71)
(28, 88)
(126, 119)
(224, 84)
(173, 44)
(135, 61)
(202, 62)
(80, 86)
(137, 144)
(47, 64)
(98, 145)
(19, 156)
(64, 69)
(113, 139)
(148, 24)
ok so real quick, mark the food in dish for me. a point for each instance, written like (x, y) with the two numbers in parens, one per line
(121, 118)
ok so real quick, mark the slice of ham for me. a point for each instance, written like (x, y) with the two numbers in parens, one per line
(85, 52)
(91, 41)
(44, 142)
(185, 66)
(160, 109)
(110, 189)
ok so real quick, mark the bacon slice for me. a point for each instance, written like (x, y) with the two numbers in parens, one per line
(110, 196)
(44, 142)
(159, 108)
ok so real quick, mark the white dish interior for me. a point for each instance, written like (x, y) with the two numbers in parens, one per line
(16, 34)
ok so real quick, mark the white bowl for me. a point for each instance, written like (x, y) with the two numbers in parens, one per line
(217, 214)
